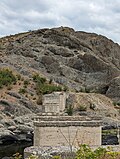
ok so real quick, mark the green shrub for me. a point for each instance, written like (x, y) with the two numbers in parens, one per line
(26, 82)
(85, 152)
(69, 110)
(39, 79)
(42, 87)
(1, 86)
(22, 90)
(92, 106)
(116, 103)
(82, 108)
(47, 88)
(25, 86)
(6, 77)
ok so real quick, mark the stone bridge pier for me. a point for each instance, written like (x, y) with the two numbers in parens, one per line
(66, 131)
(53, 130)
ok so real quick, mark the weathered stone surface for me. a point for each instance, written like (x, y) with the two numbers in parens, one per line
(82, 61)
(25, 128)
(63, 151)
(12, 128)
(66, 131)
(54, 102)
(49, 152)
(114, 89)
(14, 94)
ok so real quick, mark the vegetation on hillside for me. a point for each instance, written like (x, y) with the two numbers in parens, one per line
(45, 87)
(6, 78)
(85, 152)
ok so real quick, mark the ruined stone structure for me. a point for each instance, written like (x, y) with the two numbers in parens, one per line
(58, 130)
(66, 131)
(54, 102)
(54, 131)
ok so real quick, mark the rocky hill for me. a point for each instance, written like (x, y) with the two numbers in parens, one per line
(85, 63)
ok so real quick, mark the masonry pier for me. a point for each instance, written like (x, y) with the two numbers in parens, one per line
(54, 129)
(66, 131)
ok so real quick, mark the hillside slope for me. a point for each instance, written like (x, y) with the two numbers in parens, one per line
(86, 63)
(77, 59)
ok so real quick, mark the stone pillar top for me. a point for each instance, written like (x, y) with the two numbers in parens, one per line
(64, 121)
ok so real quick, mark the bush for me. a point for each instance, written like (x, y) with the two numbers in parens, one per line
(26, 82)
(42, 87)
(22, 91)
(82, 108)
(70, 110)
(116, 103)
(6, 78)
(25, 86)
(92, 106)
(39, 79)
(47, 88)
(85, 152)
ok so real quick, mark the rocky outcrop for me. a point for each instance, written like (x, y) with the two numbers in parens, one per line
(16, 122)
(84, 62)
(114, 89)
(16, 130)
(77, 59)
(95, 106)
(50, 152)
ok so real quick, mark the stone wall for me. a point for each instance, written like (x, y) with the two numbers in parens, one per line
(54, 102)
(53, 131)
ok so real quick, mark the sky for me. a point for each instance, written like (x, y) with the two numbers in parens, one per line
(98, 16)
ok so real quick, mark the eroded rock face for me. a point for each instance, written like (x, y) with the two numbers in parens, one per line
(114, 89)
(85, 62)
(82, 59)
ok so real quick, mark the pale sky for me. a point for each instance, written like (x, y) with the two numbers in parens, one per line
(98, 16)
